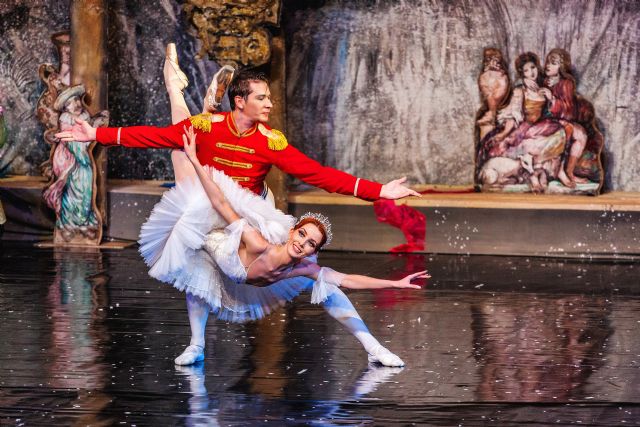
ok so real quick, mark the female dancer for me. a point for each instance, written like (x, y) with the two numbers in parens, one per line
(255, 259)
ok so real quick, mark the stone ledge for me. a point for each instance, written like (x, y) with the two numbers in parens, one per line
(457, 223)
(613, 201)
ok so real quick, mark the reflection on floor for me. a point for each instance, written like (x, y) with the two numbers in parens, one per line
(89, 338)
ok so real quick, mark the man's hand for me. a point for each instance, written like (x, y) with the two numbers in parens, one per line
(395, 190)
(81, 131)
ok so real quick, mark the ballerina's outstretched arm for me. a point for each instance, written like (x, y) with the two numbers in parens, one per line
(215, 195)
(357, 281)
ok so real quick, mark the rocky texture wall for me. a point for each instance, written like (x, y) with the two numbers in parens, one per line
(379, 88)
(138, 33)
(25, 29)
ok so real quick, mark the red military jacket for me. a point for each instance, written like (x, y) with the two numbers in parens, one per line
(246, 157)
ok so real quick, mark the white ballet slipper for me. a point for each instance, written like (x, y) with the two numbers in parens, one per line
(381, 355)
(190, 355)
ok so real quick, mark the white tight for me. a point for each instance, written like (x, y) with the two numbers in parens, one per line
(337, 306)
(340, 308)
(198, 311)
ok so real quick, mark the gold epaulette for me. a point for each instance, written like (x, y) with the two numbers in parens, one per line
(276, 139)
(203, 121)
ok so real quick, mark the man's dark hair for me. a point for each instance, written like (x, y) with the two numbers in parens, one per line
(239, 86)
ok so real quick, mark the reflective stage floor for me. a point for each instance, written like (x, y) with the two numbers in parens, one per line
(89, 339)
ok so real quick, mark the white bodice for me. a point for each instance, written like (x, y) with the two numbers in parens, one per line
(222, 246)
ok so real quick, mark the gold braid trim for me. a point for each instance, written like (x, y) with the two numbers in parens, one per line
(201, 122)
(276, 140)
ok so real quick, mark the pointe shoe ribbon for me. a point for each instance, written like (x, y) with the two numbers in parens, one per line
(173, 75)
(217, 88)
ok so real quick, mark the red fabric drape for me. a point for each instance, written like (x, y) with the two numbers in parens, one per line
(410, 221)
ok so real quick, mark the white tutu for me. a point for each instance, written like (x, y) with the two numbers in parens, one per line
(185, 242)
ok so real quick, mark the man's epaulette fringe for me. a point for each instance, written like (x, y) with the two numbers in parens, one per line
(276, 140)
(203, 121)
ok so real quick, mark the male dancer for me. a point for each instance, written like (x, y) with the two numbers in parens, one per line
(240, 144)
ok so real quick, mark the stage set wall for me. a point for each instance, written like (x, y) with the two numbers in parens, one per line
(380, 89)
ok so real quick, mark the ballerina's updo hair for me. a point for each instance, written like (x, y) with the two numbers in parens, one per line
(240, 85)
(320, 221)
(525, 58)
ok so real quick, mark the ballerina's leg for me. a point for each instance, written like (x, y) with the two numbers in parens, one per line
(340, 308)
(182, 167)
(175, 81)
(198, 314)
(175, 84)
(198, 310)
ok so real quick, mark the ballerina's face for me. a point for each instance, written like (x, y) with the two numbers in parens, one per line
(304, 241)
(530, 71)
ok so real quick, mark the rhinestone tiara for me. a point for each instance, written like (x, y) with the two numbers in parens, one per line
(322, 220)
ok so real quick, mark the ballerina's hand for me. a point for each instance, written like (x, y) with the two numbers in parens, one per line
(81, 131)
(406, 281)
(189, 139)
(395, 190)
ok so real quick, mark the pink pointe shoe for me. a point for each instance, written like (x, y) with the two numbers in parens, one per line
(174, 78)
(217, 88)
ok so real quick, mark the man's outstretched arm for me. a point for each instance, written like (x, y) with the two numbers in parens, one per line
(294, 162)
(134, 136)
